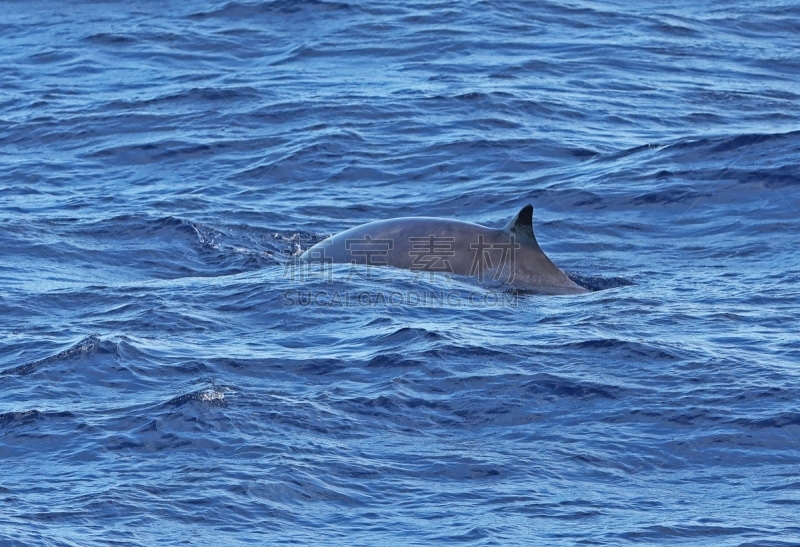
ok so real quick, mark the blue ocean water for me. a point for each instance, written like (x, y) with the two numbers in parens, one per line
(163, 381)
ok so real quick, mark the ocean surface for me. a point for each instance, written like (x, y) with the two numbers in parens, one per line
(167, 379)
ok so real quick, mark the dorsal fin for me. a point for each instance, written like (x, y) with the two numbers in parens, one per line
(522, 225)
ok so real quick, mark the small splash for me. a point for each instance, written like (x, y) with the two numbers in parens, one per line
(211, 396)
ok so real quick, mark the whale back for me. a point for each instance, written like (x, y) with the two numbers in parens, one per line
(430, 244)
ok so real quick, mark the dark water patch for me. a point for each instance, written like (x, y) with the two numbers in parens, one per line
(19, 418)
(179, 247)
(751, 140)
(393, 361)
(548, 384)
(784, 501)
(675, 29)
(53, 56)
(624, 346)
(672, 196)
(307, 367)
(465, 470)
(599, 283)
(154, 152)
(409, 334)
(110, 39)
(735, 149)
(137, 227)
(588, 199)
(778, 421)
(652, 533)
(12, 421)
(86, 347)
(468, 351)
(160, 104)
(703, 117)
(794, 485)
(695, 417)
(785, 176)
(409, 413)
(239, 10)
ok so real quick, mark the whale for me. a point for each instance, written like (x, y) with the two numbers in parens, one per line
(508, 256)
